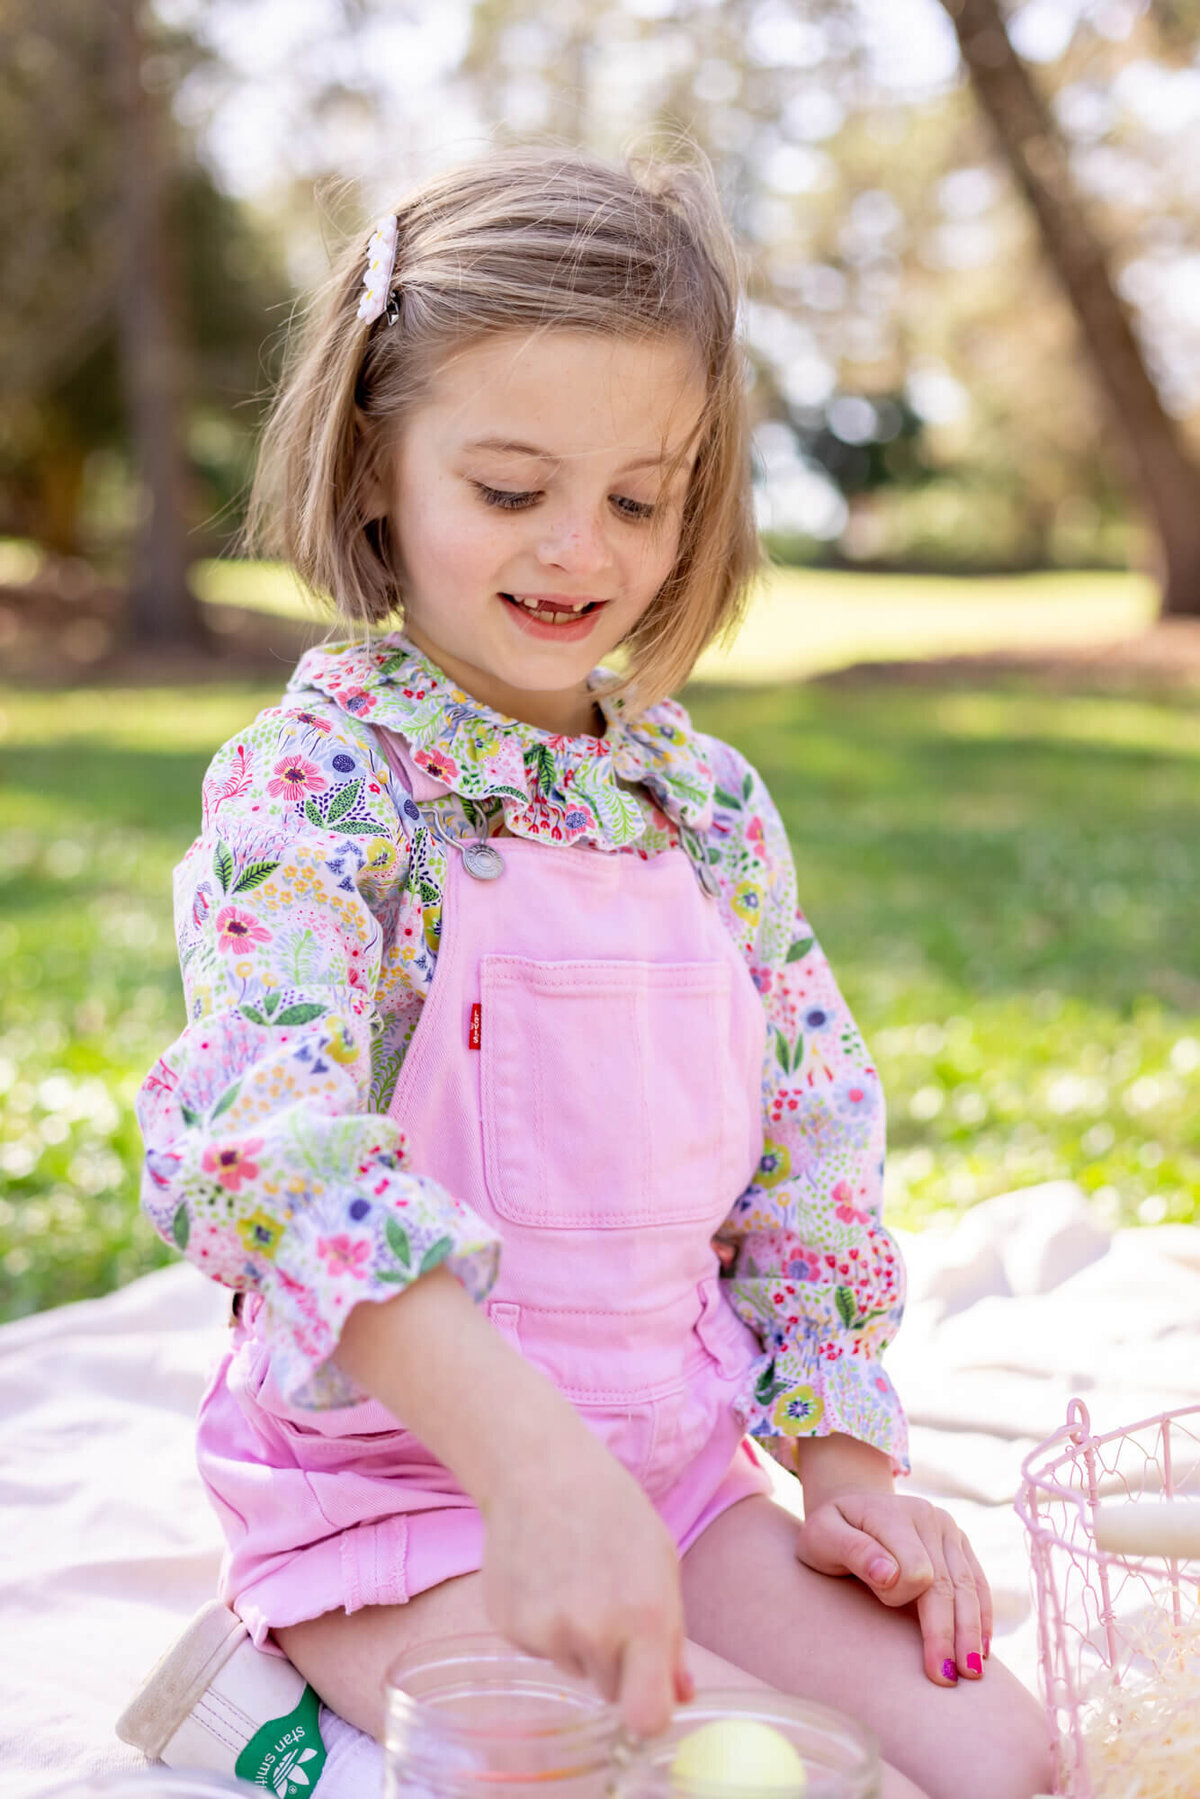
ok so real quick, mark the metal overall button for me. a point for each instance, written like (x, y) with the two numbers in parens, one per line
(481, 860)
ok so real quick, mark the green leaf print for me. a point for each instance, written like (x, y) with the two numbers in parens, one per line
(358, 827)
(226, 1100)
(767, 1387)
(799, 949)
(729, 800)
(437, 1252)
(251, 1014)
(397, 1237)
(797, 1052)
(392, 1276)
(782, 1053)
(542, 763)
(272, 1003)
(181, 1228)
(223, 865)
(344, 802)
(253, 875)
(189, 1117)
(847, 1308)
(313, 814)
(301, 1014)
(747, 787)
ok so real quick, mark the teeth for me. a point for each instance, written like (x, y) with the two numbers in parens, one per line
(555, 614)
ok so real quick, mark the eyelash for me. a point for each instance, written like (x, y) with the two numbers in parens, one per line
(636, 511)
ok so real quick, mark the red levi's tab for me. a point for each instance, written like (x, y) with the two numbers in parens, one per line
(476, 1031)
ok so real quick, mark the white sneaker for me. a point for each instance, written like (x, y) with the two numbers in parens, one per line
(214, 1701)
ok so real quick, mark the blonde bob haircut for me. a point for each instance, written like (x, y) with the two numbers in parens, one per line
(524, 240)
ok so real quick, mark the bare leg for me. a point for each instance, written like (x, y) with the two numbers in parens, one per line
(747, 1598)
(345, 1658)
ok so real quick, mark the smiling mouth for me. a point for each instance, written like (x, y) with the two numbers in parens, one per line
(553, 615)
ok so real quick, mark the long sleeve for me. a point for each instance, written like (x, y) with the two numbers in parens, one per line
(816, 1275)
(265, 1163)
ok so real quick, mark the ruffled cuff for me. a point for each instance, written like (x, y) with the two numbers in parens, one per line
(411, 1226)
(811, 1389)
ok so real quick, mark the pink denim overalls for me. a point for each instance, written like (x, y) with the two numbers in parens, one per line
(586, 1074)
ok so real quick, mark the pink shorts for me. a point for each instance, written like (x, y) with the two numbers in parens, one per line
(316, 1523)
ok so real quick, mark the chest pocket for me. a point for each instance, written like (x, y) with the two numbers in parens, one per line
(608, 1093)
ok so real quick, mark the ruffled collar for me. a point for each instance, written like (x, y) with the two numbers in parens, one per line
(565, 789)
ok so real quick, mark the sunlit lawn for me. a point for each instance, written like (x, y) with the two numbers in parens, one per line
(1005, 882)
(804, 620)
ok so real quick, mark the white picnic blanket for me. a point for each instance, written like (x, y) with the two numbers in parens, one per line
(108, 1544)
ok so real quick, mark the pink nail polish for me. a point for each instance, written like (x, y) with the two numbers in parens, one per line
(949, 1671)
(975, 1664)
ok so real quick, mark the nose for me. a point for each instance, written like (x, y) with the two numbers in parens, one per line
(576, 542)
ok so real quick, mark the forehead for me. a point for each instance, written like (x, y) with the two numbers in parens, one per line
(569, 394)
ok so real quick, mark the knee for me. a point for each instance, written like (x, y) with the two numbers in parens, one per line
(1010, 1761)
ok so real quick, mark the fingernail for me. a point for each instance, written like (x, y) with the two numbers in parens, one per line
(949, 1671)
(881, 1570)
(987, 1647)
(974, 1664)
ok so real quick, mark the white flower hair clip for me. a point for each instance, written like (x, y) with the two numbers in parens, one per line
(381, 265)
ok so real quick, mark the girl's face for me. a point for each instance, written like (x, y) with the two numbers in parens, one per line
(548, 468)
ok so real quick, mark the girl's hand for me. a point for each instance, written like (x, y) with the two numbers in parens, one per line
(906, 1550)
(579, 1567)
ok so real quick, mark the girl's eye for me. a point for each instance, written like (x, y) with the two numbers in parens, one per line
(504, 498)
(634, 509)
(509, 501)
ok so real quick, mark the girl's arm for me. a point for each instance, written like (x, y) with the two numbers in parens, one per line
(577, 1564)
(269, 1159)
(816, 1274)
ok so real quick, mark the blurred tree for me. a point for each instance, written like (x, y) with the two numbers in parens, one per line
(66, 281)
(162, 607)
(1166, 474)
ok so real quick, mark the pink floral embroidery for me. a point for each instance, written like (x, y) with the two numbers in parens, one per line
(233, 1163)
(296, 776)
(237, 930)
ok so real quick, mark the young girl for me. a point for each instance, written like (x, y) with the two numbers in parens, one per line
(516, 1100)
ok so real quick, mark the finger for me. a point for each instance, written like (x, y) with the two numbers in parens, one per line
(987, 1616)
(883, 1547)
(644, 1690)
(831, 1544)
(968, 1637)
(935, 1612)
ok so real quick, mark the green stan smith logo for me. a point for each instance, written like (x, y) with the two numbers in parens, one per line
(287, 1754)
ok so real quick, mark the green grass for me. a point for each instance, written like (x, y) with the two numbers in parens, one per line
(804, 620)
(1004, 881)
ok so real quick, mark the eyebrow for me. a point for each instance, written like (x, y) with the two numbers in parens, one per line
(506, 446)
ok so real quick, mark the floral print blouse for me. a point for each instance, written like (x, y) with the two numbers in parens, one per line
(308, 912)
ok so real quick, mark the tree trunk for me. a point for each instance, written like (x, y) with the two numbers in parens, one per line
(1163, 471)
(162, 608)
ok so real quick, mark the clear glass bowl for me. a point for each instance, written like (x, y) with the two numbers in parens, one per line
(468, 1714)
(840, 1758)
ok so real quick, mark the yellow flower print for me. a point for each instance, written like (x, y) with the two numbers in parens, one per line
(261, 1233)
(381, 856)
(775, 1165)
(432, 923)
(341, 1046)
(799, 1412)
(747, 901)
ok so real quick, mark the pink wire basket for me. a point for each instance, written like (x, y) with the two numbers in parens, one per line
(1096, 1611)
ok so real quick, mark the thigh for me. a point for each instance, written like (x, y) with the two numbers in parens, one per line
(748, 1599)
